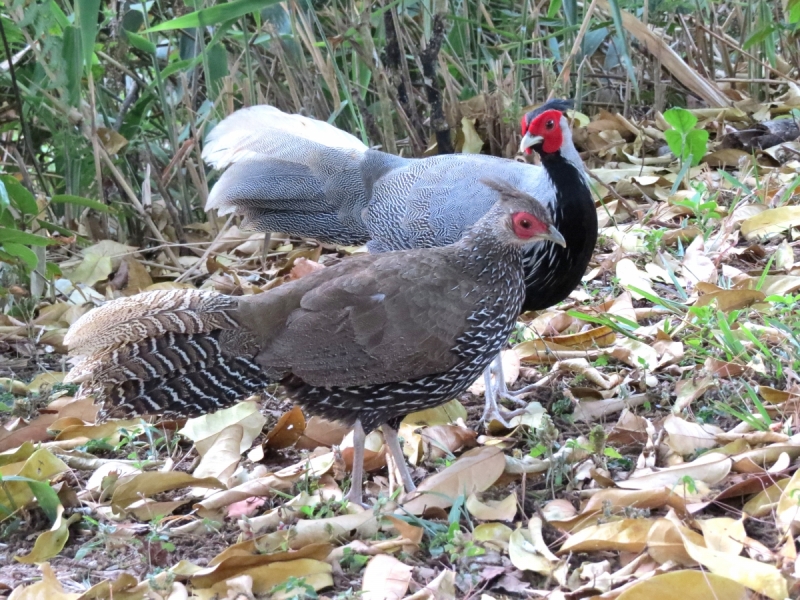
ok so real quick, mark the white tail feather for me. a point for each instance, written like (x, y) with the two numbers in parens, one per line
(262, 131)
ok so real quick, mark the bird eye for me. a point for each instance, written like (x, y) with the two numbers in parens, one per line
(525, 224)
(550, 124)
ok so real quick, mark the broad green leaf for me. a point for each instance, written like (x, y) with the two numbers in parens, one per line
(681, 119)
(674, 141)
(21, 237)
(5, 202)
(46, 497)
(696, 144)
(79, 201)
(73, 59)
(214, 14)
(23, 253)
(19, 195)
(94, 268)
(87, 12)
(141, 43)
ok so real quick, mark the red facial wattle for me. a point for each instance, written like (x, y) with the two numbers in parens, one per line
(547, 125)
(527, 226)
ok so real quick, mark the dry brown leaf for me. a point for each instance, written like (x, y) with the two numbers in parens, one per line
(765, 502)
(321, 432)
(385, 578)
(233, 564)
(443, 414)
(287, 430)
(689, 390)
(598, 337)
(135, 487)
(266, 486)
(686, 438)
(711, 467)
(447, 439)
(474, 471)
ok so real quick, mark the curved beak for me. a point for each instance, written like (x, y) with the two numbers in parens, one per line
(529, 141)
(554, 235)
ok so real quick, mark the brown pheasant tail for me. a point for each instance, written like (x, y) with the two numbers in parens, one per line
(176, 351)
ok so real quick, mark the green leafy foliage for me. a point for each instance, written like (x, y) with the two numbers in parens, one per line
(683, 139)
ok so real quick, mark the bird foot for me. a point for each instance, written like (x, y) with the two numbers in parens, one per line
(356, 497)
(514, 396)
(501, 416)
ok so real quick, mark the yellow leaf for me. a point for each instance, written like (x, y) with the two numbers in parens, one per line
(50, 543)
(385, 578)
(497, 510)
(496, 534)
(315, 573)
(92, 269)
(135, 487)
(625, 535)
(441, 415)
(49, 588)
(473, 144)
(40, 466)
(204, 430)
(525, 556)
(475, 471)
(686, 585)
(763, 578)
(724, 534)
(773, 220)
(789, 504)
(221, 460)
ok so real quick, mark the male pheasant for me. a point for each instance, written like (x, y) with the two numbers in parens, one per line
(302, 176)
(366, 341)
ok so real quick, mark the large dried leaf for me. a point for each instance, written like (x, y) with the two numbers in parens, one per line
(626, 535)
(475, 471)
(711, 468)
(762, 578)
(686, 585)
(773, 220)
(42, 465)
(50, 543)
(493, 510)
(49, 588)
(385, 578)
(136, 487)
(204, 430)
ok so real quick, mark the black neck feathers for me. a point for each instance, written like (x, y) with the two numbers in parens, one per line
(552, 272)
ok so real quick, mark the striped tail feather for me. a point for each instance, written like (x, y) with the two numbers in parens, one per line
(176, 351)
